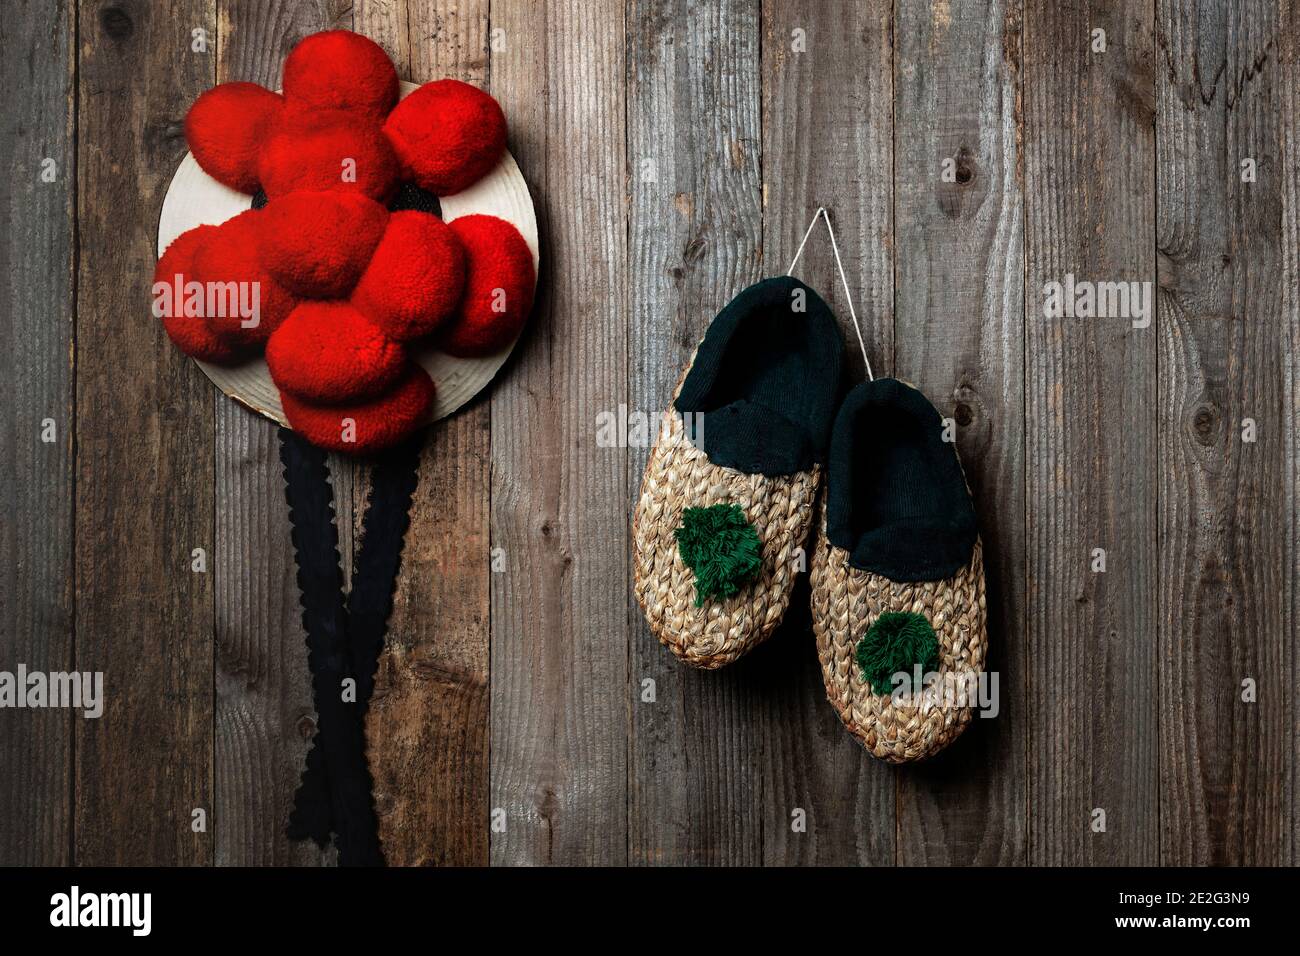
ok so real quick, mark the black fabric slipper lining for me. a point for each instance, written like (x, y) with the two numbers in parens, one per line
(896, 498)
(760, 395)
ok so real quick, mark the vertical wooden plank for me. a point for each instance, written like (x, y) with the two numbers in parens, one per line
(38, 260)
(429, 39)
(827, 141)
(427, 729)
(1090, 430)
(1289, 173)
(959, 337)
(263, 708)
(144, 460)
(695, 240)
(1222, 556)
(560, 509)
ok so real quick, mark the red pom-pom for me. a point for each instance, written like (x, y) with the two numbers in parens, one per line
(317, 244)
(447, 135)
(225, 129)
(415, 278)
(327, 352)
(327, 150)
(368, 426)
(189, 330)
(244, 303)
(339, 69)
(498, 287)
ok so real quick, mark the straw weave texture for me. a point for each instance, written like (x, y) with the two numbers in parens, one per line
(680, 476)
(846, 601)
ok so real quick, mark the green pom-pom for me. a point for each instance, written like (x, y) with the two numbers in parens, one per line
(897, 641)
(720, 545)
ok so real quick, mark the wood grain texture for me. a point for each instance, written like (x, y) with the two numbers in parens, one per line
(38, 262)
(827, 141)
(427, 729)
(694, 240)
(263, 706)
(1288, 54)
(959, 337)
(144, 453)
(560, 507)
(1221, 336)
(1090, 438)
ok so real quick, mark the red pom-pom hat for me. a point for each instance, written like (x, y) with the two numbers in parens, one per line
(351, 286)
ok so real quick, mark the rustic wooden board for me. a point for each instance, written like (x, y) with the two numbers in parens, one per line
(144, 458)
(263, 706)
(427, 729)
(560, 509)
(827, 141)
(38, 261)
(1288, 55)
(694, 240)
(1090, 438)
(959, 336)
(1222, 559)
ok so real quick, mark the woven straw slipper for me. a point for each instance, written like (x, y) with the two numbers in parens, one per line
(898, 577)
(729, 492)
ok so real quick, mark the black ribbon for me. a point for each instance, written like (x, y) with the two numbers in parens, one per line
(344, 637)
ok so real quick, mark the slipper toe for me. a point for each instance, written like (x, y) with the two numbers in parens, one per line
(898, 599)
(729, 493)
(848, 607)
(710, 629)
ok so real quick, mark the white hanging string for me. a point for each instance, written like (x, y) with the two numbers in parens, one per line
(853, 314)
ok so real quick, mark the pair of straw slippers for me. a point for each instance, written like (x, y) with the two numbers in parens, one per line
(756, 438)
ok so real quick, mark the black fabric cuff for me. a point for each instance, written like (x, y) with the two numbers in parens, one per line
(896, 498)
(760, 396)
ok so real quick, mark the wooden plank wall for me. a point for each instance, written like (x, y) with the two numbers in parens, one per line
(145, 466)
(1288, 174)
(1222, 556)
(676, 152)
(38, 257)
(559, 503)
(1090, 393)
(695, 233)
(828, 141)
(959, 333)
